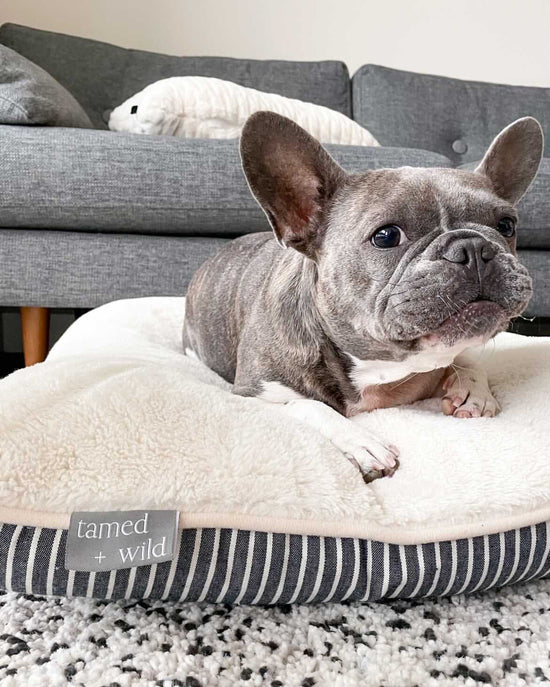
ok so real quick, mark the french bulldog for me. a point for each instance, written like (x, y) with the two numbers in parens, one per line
(389, 277)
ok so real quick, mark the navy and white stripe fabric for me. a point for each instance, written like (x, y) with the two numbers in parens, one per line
(236, 566)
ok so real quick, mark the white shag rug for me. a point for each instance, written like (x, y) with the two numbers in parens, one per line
(499, 638)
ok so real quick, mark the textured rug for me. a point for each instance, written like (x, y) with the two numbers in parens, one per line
(496, 638)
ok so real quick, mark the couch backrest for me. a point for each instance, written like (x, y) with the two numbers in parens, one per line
(448, 116)
(101, 76)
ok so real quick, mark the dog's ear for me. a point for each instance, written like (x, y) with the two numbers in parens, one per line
(292, 177)
(512, 161)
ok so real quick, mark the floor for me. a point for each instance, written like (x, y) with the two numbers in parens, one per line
(536, 326)
(499, 638)
(10, 362)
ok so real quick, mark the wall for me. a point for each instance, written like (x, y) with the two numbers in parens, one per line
(491, 40)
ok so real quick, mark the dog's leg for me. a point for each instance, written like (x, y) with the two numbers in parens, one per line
(465, 390)
(366, 451)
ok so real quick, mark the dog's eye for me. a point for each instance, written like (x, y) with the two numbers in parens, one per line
(507, 226)
(389, 236)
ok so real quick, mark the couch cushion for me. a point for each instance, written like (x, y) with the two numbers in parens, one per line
(538, 264)
(453, 117)
(533, 208)
(534, 211)
(69, 269)
(101, 76)
(29, 95)
(86, 180)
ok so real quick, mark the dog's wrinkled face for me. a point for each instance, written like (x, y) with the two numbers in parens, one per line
(408, 258)
(418, 257)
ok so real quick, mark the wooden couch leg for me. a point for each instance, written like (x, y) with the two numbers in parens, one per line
(35, 327)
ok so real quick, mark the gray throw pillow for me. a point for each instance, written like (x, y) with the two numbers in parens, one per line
(29, 95)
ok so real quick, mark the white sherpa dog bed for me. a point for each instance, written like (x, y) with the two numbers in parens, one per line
(118, 418)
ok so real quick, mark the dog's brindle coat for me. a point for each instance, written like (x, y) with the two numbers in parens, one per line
(336, 325)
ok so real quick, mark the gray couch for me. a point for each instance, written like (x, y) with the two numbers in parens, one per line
(88, 215)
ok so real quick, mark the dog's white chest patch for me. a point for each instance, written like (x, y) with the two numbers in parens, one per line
(366, 373)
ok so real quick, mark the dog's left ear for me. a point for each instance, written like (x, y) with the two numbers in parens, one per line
(512, 161)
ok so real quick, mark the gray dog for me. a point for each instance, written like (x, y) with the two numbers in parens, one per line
(388, 278)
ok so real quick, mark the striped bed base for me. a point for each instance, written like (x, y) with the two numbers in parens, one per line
(236, 566)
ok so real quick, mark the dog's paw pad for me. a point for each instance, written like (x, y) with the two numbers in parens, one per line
(369, 455)
(468, 396)
(478, 406)
(377, 474)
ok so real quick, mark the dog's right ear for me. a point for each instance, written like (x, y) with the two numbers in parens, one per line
(292, 177)
(512, 161)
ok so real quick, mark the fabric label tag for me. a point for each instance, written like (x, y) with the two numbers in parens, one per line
(111, 540)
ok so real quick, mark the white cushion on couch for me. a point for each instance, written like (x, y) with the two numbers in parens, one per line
(204, 107)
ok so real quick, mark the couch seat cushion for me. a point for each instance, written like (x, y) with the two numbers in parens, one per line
(86, 180)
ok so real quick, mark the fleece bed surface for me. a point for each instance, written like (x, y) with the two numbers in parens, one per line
(118, 418)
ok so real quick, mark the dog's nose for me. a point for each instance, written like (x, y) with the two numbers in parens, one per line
(469, 251)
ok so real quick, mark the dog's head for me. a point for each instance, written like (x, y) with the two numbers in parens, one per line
(406, 258)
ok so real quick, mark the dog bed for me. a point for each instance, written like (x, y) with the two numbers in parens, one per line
(262, 509)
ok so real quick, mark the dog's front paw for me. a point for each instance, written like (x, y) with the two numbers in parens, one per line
(370, 455)
(467, 394)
